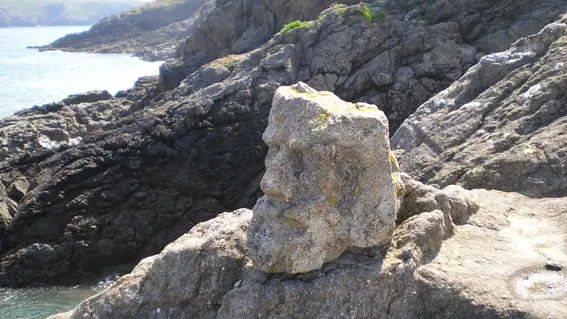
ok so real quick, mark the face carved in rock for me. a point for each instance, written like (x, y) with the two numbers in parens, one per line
(327, 185)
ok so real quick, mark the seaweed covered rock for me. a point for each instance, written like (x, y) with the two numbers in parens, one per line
(328, 183)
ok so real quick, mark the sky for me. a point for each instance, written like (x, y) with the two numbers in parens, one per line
(20, 1)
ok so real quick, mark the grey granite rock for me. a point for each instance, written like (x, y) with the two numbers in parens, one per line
(500, 126)
(328, 183)
(494, 266)
(162, 287)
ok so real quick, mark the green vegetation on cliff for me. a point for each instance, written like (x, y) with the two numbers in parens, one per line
(293, 25)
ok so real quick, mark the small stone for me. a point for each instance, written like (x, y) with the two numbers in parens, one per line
(18, 189)
(551, 266)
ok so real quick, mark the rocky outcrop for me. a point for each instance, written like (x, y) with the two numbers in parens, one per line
(236, 27)
(397, 62)
(115, 181)
(444, 263)
(216, 251)
(500, 126)
(500, 264)
(198, 30)
(328, 183)
(150, 31)
(88, 97)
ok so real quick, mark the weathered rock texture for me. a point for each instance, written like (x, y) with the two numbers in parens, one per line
(235, 27)
(150, 163)
(501, 126)
(163, 287)
(504, 262)
(328, 183)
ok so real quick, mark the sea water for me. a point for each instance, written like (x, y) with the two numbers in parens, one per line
(29, 77)
(32, 303)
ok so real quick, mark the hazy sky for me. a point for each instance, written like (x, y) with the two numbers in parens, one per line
(36, 1)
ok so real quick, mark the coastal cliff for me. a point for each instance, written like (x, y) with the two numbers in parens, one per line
(26, 13)
(150, 31)
(472, 91)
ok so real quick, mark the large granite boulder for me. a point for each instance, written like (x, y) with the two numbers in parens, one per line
(328, 183)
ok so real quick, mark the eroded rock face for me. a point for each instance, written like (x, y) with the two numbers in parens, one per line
(328, 183)
(500, 126)
(456, 206)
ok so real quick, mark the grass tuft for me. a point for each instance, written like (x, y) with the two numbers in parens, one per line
(294, 25)
(372, 16)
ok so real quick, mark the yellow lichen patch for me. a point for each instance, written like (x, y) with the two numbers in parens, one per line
(333, 104)
(288, 211)
(393, 161)
(229, 61)
(397, 179)
(333, 201)
(367, 108)
(322, 120)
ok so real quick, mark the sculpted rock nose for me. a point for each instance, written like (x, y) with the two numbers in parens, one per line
(276, 183)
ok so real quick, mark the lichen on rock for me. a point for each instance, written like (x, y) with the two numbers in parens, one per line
(328, 185)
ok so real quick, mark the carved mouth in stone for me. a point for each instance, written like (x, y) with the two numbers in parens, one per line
(539, 283)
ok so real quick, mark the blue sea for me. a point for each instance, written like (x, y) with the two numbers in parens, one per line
(29, 77)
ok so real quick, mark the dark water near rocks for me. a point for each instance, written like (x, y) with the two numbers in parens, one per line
(42, 302)
(29, 77)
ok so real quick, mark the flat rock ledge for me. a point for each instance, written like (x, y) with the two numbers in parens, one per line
(503, 263)
(454, 253)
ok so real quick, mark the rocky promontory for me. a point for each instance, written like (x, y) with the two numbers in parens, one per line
(94, 182)
(305, 251)
(31, 13)
(159, 30)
